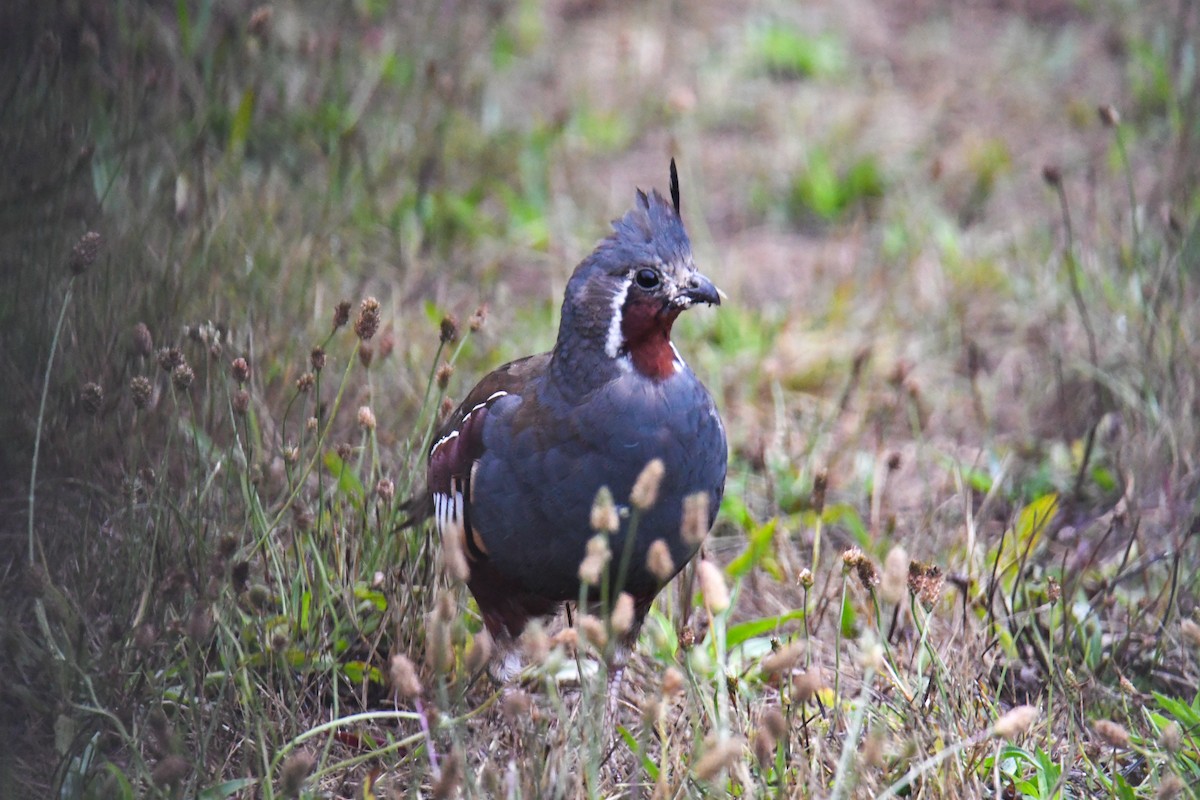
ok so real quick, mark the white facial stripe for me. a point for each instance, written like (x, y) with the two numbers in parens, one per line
(614, 340)
(679, 362)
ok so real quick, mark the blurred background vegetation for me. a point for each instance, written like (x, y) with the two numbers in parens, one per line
(959, 244)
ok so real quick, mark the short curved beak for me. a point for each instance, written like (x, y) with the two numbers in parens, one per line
(700, 289)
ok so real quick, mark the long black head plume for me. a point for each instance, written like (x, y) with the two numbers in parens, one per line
(674, 187)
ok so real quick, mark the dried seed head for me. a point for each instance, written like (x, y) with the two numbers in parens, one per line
(260, 20)
(805, 685)
(783, 660)
(604, 517)
(1053, 589)
(597, 558)
(1171, 738)
(366, 354)
(402, 674)
(1190, 631)
(84, 253)
(659, 562)
(182, 377)
(199, 623)
(567, 639)
(775, 723)
(651, 710)
(480, 652)
(694, 527)
(645, 488)
(143, 342)
(91, 397)
(341, 314)
(367, 322)
(170, 771)
(448, 782)
(310, 425)
(386, 489)
(453, 553)
(448, 329)
(445, 409)
(140, 389)
(925, 581)
(1015, 722)
(764, 748)
(240, 369)
(672, 682)
(535, 644)
(169, 358)
(439, 648)
(895, 575)
(1109, 115)
(291, 454)
(1172, 786)
(317, 359)
(719, 757)
(443, 375)
(306, 382)
(622, 614)
(855, 559)
(894, 460)
(593, 630)
(1052, 175)
(241, 402)
(820, 484)
(344, 451)
(387, 342)
(712, 586)
(805, 578)
(294, 772)
(1113, 734)
(366, 418)
(517, 705)
(478, 318)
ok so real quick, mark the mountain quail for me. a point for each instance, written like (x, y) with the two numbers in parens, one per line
(516, 468)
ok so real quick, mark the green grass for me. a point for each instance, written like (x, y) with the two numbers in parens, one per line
(962, 424)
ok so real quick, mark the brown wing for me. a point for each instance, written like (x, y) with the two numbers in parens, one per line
(459, 446)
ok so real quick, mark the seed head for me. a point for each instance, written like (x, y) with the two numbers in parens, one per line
(140, 390)
(170, 771)
(764, 747)
(1172, 786)
(535, 644)
(567, 639)
(593, 630)
(387, 342)
(240, 369)
(925, 581)
(719, 757)
(672, 682)
(517, 705)
(386, 490)
(775, 723)
(182, 377)
(310, 425)
(366, 354)
(341, 314)
(260, 21)
(447, 783)
(597, 558)
(437, 642)
(453, 553)
(448, 329)
(241, 402)
(805, 685)
(645, 488)
(91, 397)
(1113, 734)
(84, 253)
(659, 561)
(695, 519)
(143, 342)
(403, 676)
(1171, 738)
(291, 454)
(293, 773)
(367, 322)
(855, 559)
(366, 418)
(478, 319)
(443, 375)
(1190, 631)
(820, 484)
(169, 358)
(805, 578)
(712, 586)
(622, 613)
(1109, 115)
(1015, 722)
(895, 575)
(1052, 175)
(604, 517)
(783, 660)
(480, 653)
(317, 359)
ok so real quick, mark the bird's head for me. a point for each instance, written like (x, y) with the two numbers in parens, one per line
(626, 295)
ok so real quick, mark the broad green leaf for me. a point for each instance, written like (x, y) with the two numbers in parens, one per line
(757, 546)
(759, 627)
(632, 743)
(226, 789)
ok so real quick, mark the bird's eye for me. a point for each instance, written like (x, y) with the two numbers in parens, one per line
(647, 278)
